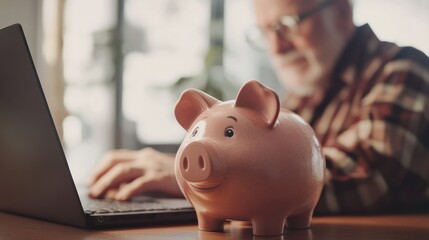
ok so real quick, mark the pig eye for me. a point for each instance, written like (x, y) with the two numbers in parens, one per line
(229, 132)
(195, 132)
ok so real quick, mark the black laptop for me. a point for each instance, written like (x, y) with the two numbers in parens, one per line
(35, 179)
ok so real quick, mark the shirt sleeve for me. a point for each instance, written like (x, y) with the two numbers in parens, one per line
(381, 163)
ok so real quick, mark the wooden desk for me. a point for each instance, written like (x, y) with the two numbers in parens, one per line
(413, 227)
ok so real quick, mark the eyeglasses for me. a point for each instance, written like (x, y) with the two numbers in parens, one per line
(286, 28)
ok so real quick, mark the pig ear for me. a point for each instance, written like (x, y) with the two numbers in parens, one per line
(260, 98)
(190, 105)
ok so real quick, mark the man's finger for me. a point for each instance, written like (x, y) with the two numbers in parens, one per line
(118, 174)
(109, 161)
(138, 186)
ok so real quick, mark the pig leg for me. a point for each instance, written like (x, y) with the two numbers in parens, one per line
(268, 226)
(301, 220)
(210, 224)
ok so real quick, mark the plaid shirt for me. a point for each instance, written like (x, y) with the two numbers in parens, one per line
(373, 124)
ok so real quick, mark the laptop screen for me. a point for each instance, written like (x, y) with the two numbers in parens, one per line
(34, 177)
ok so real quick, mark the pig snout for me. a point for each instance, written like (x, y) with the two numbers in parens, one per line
(195, 163)
(201, 166)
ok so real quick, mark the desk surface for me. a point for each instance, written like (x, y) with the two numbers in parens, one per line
(357, 227)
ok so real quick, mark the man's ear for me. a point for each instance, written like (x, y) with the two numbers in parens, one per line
(190, 105)
(344, 11)
(257, 97)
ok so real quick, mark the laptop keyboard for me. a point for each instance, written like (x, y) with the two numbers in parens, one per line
(142, 203)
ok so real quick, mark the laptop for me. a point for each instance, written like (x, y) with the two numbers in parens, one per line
(35, 180)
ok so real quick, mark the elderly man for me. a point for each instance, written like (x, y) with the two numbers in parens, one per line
(367, 101)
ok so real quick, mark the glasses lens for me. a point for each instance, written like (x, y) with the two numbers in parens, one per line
(289, 25)
(256, 39)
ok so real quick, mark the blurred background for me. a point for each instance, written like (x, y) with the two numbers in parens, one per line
(112, 70)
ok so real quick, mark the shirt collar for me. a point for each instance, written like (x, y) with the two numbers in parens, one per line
(362, 45)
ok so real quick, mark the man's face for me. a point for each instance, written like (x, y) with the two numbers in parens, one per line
(304, 61)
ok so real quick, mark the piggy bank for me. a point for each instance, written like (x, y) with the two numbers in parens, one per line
(248, 160)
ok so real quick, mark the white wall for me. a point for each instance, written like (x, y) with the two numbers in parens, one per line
(404, 22)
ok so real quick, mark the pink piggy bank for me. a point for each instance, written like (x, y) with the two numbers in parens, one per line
(248, 160)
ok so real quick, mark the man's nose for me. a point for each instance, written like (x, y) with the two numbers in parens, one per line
(278, 43)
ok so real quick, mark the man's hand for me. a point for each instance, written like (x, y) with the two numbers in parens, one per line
(123, 174)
